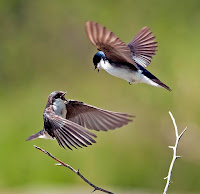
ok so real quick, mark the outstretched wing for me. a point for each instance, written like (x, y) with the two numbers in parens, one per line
(143, 47)
(66, 132)
(106, 41)
(95, 118)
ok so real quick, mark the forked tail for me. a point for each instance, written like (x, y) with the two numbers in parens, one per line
(161, 84)
(153, 78)
(36, 135)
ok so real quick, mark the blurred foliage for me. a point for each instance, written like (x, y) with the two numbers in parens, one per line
(43, 47)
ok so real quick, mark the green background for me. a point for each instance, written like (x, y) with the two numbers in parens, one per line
(44, 47)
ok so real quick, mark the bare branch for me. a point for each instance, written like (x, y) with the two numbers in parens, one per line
(75, 171)
(175, 156)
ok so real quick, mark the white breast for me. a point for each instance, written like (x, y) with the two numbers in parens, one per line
(59, 108)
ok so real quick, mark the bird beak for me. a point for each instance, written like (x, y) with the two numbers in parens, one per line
(62, 97)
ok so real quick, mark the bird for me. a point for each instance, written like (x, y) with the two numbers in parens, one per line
(69, 121)
(127, 62)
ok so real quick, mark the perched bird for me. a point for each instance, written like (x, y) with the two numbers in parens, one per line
(65, 121)
(127, 62)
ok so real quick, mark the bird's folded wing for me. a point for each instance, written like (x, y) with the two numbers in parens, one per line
(106, 41)
(143, 47)
(95, 118)
(66, 132)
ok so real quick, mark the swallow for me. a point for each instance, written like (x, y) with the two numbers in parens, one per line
(69, 121)
(127, 62)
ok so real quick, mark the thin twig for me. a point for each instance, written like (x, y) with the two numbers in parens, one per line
(75, 171)
(175, 156)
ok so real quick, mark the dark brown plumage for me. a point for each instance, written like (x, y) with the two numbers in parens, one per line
(67, 120)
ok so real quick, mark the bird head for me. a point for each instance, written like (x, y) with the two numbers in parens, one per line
(97, 58)
(56, 95)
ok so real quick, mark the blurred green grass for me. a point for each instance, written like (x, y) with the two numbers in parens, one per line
(43, 47)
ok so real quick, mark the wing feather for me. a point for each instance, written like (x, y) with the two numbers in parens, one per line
(66, 132)
(106, 41)
(143, 47)
(95, 118)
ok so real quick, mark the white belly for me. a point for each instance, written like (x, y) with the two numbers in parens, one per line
(126, 74)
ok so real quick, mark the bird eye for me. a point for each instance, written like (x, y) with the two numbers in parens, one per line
(57, 96)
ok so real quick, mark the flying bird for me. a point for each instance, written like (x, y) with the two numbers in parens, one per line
(127, 62)
(67, 120)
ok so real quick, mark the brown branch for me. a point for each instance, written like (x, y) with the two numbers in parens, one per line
(75, 171)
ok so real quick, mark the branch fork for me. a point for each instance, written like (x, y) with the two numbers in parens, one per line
(175, 156)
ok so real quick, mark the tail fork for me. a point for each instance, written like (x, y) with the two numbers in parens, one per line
(40, 134)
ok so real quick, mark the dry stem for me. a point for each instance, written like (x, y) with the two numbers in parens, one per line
(175, 156)
(75, 171)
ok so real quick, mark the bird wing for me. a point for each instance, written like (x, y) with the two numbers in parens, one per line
(143, 47)
(106, 41)
(66, 132)
(95, 118)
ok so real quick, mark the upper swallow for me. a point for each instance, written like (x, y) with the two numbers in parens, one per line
(127, 62)
(65, 121)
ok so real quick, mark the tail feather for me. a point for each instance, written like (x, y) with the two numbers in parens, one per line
(161, 84)
(153, 78)
(36, 135)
